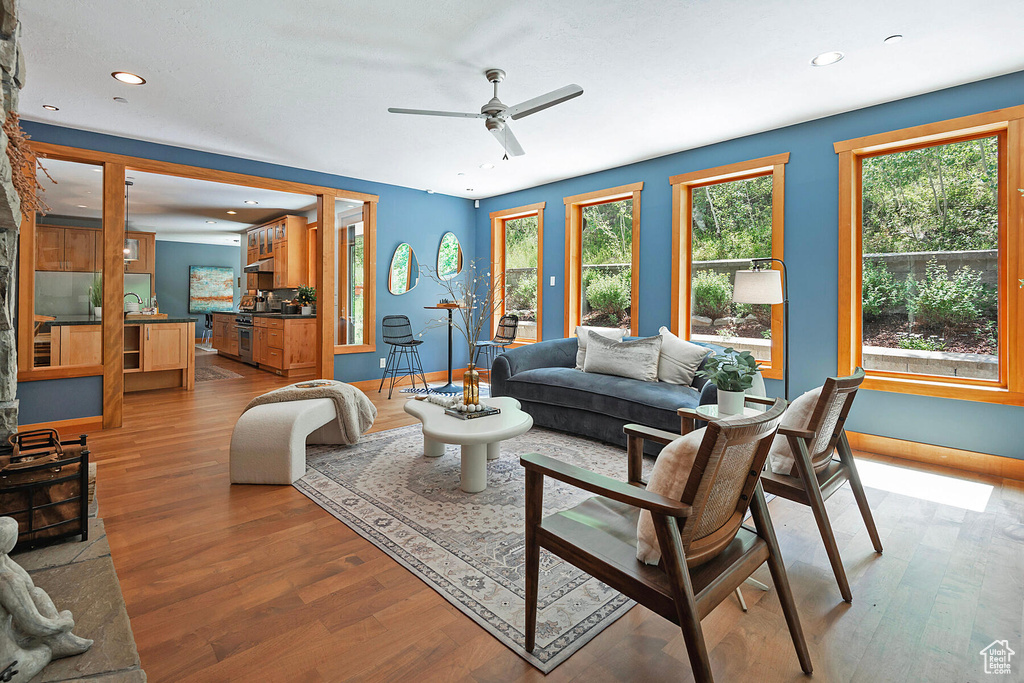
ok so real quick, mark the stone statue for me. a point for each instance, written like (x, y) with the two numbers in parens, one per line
(32, 631)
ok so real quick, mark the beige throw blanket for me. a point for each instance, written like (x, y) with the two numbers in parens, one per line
(355, 412)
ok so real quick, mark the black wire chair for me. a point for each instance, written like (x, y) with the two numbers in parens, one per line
(508, 326)
(398, 335)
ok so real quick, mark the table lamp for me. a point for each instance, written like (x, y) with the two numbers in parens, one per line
(762, 285)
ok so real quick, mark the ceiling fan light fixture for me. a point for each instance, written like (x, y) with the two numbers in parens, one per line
(128, 78)
(50, 107)
(827, 58)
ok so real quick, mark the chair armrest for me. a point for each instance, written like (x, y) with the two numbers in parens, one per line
(650, 434)
(799, 433)
(604, 486)
(760, 399)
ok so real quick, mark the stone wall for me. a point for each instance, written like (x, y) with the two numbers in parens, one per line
(12, 78)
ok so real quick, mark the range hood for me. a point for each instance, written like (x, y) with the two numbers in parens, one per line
(262, 266)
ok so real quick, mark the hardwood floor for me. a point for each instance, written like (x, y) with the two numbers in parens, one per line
(233, 583)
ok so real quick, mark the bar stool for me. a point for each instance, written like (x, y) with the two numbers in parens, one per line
(398, 335)
(207, 340)
(508, 326)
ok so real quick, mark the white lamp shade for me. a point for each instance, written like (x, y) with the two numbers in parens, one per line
(758, 287)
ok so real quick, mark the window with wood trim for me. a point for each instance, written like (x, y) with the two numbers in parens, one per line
(517, 260)
(929, 271)
(353, 298)
(602, 259)
(722, 218)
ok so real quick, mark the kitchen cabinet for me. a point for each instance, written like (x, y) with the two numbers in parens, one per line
(252, 247)
(290, 252)
(225, 333)
(146, 262)
(80, 250)
(159, 355)
(49, 248)
(165, 346)
(285, 344)
(76, 345)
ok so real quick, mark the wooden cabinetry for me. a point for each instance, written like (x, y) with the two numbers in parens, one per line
(80, 250)
(146, 262)
(284, 345)
(76, 345)
(283, 240)
(159, 356)
(165, 347)
(225, 333)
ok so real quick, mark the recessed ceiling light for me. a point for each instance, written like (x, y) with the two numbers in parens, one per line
(50, 107)
(82, 206)
(826, 58)
(249, 201)
(894, 38)
(487, 166)
(129, 78)
(120, 100)
(232, 212)
(211, 222)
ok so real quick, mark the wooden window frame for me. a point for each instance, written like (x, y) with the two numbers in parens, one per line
(683, 186)
(1008, 126)
(115, 167)
(574, 252)
(369, 283)
(498, 220)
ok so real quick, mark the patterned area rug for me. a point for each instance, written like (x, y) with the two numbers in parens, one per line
(207, 373)
(469, 547)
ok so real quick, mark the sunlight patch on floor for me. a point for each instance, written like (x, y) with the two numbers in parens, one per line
(937, 488)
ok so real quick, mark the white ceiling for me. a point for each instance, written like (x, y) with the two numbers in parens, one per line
(176, 209)
(307, 83)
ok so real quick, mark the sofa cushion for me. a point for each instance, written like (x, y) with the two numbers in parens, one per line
(679, 358)
(648, 403)
(582, 337)
(635, 359)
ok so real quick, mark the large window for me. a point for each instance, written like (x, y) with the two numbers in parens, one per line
(602, 258)
(351, 274)
(724, 218)
(927, 278)
(517, 238)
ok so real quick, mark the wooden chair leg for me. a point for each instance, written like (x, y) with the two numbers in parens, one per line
(817, 505)
(846, 455)
(634, 459)
(686, 607)
(534, 505)
(763, 522)
(743, 603)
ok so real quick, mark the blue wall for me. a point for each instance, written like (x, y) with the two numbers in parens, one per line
(403, 215)
(811, 252)
(172, 262)
(50, 400)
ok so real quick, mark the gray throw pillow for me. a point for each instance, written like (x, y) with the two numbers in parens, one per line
(635, 359)
(679, 359)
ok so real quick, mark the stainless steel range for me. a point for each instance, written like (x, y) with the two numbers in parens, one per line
(246, 336)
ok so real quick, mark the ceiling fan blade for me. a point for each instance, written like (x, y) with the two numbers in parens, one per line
(544, 101)
(430, 112)
(508, 141)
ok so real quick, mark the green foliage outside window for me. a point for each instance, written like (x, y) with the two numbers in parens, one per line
(712, 294)
(881, 292)
(951, 302)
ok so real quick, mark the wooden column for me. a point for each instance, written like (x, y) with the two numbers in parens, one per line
(325, 322)
(113, 294)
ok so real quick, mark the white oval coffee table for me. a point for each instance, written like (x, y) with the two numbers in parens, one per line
(480, 438)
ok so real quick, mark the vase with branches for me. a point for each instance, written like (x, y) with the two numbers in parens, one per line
(478, 294)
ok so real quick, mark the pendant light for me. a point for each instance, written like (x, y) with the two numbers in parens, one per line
(131, 246)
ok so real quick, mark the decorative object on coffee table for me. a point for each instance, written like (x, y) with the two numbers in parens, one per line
(762, 285)
(733, 373)
(480, 438)
(34, 631)
(479, 294)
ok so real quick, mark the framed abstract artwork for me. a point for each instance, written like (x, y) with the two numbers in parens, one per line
(210, 289)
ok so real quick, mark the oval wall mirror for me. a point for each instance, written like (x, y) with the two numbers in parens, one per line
(449, 257)
(405, 270)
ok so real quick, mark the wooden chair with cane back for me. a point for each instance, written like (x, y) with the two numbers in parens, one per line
(706, 551)
(818, 473)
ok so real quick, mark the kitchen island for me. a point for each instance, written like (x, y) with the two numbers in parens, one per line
(275, 342)
(158, 352)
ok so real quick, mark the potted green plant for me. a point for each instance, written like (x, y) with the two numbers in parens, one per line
(306, 297)
(733, 373)
(96, 296)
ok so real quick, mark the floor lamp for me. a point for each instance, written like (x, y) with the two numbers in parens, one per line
(763, 285)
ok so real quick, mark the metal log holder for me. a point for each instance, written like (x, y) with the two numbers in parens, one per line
(44, 485)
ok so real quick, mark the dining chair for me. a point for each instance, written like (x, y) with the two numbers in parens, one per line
(706, 550)
(397, 331)
(508, 326)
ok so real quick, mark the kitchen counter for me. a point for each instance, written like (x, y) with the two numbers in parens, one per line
(279, 316)
(66, 320)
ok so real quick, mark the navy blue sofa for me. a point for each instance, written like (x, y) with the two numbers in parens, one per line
(543, 377)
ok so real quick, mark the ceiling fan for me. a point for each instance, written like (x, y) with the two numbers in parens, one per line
(495, 111)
